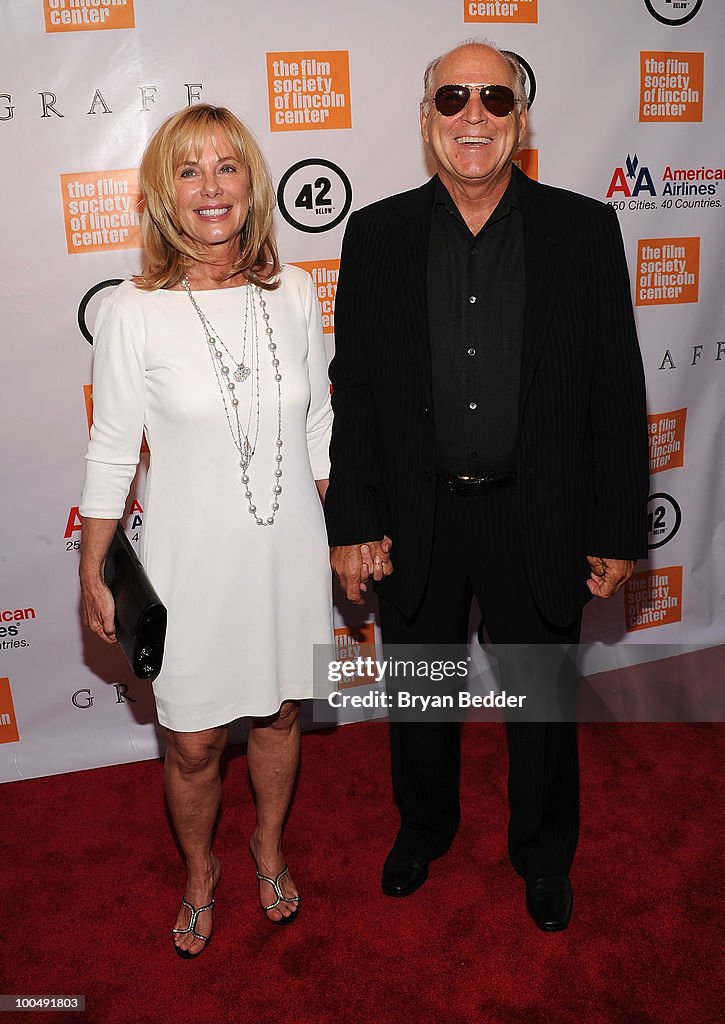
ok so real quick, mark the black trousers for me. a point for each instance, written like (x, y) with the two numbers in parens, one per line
(477, 551)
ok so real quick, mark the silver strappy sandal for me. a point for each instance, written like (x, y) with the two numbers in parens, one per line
(192, 928)
(281, 898)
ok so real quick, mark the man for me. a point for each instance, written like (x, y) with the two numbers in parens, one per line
(490, 425)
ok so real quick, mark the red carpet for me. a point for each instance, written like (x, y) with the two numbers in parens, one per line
(91, 882)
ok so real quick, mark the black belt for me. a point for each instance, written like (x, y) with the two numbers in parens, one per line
(473, 485)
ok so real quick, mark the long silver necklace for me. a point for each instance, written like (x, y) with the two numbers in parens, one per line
(244, 442)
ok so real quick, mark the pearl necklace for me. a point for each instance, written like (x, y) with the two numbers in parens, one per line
(245, 446)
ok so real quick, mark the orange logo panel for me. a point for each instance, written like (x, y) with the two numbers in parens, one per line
(8, 723)
(309, 90)
(324, 273)
(521, 11)
(671, 86)
(87, 15)
(527, 160)
(666, 440)
(88, 397)
(653, 598)
(101, 210)
(351, 643)
(668, 271)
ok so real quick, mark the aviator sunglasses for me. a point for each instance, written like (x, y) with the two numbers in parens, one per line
(498, 100)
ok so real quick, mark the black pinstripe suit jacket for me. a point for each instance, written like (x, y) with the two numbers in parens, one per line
(582, 428)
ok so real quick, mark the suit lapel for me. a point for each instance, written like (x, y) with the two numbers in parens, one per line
(543, 256)
(415, 210)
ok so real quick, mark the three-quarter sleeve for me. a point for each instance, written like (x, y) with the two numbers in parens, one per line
(119, 395)
(319, 414)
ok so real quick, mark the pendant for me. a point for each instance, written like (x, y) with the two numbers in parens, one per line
(246, 454)
(241, 373)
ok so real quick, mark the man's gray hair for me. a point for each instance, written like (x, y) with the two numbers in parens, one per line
(513, 61)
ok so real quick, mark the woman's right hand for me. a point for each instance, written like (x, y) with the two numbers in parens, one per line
(98, 609)
(96, 598)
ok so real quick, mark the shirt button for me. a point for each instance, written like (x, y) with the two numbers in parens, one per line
(472, 405)
(471, 299)
(474, 455)
(474, 251)
(471, 351)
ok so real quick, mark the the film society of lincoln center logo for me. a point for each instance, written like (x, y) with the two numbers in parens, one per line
(664, 518)
(351, 643)
(527, 160)
(101, 210)
(87, 15)
(666, 432)
(673, 12)
(671, 86)
(8, 722)
(324, 273)
(668, 271)
(653, 598)
(314, 195)
(309, 90)
(515, 11)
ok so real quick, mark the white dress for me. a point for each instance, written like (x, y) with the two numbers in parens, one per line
(245, 602)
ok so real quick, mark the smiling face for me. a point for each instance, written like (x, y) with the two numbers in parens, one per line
(212, 195)
(473, 150)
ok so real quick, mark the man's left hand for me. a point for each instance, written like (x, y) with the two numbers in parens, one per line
(608, 574)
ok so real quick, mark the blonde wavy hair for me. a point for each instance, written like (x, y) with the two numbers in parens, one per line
(168, 249)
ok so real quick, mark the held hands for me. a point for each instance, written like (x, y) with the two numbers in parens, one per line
(98, 609)
(355, 564)
(608, 574)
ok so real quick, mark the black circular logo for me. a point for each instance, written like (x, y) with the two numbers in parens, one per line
(91, 293)
(673, 12)
(530, 78)
(314, 195)
(663, 517)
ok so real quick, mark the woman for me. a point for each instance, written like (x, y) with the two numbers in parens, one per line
(217, 352)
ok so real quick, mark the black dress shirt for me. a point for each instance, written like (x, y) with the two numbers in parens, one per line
(476, 292)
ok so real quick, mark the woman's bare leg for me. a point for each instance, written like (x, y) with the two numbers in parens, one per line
(193, 793)
(273, 752)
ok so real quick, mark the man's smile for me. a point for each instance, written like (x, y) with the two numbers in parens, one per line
(478, 140)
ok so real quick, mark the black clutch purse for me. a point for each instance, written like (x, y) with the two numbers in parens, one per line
(140, 615)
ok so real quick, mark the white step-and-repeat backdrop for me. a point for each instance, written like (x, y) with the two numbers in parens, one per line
(626, 106)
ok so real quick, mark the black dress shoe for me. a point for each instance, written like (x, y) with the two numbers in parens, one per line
(549, 901)
(403, 873)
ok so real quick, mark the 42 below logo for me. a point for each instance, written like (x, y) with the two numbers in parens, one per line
(673, 12)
